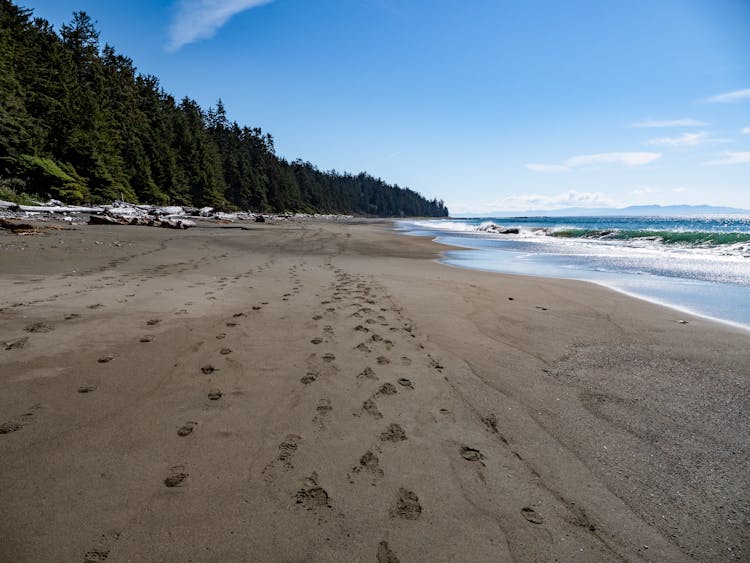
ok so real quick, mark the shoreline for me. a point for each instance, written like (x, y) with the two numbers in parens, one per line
(611, 284)
(644, 298)
(372, 403)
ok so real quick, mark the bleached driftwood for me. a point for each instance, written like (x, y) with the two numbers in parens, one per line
(50, 208)
(146, 221)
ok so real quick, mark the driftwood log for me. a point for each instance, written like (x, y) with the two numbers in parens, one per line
(146, 221)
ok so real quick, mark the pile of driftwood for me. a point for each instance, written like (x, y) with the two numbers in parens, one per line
(123, 213)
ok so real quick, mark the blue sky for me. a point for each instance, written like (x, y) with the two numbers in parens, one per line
(488, 104)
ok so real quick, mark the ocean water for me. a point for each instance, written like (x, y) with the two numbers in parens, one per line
(699, 265)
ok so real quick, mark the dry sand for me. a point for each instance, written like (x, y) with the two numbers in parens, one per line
(322, 392)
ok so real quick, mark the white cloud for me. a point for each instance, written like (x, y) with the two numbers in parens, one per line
(626, 158)
(679, 190)
(571, 198)
(731, 158)
(587, 160)
(685, 122)
(643, 190)
(201, 19)
(684, 140)
(729, 97)
(745, 130)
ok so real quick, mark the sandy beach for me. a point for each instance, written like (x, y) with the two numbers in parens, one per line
(314, 391)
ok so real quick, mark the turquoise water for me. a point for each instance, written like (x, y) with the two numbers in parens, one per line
(696, 264)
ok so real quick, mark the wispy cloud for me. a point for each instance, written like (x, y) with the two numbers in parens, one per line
(532, 202)
(571, 198)
(687, 140)
(685, 122)
(628, 159)
(200, 19)
(729, 97)
(745, 130)
(619, 158)
(679, 189)
(731, 158)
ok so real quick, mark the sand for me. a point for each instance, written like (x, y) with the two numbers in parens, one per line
(310, 391)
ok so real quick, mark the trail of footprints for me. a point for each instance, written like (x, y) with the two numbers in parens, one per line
(357, 302)
(354, 298)
(358, 299)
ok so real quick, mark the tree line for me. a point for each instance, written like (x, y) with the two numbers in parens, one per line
(80, 124)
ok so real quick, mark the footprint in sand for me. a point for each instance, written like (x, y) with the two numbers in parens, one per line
(153, 322)
(382, 360)
(387, 389)
(309, 377)
(312, 496)
(10, 426)
(362, 347)
(471, 454)
(532, 515)
(176, 476)
(434, 362)
(287, 449)
(490, 421)
(145, 339)
(17, 344)
(371, 408)
(329, 357)
(71, 316)
(317, 317)
(395, 433)
(407, 505)
(323, 409)
(405, 383)
(105, 359)
(370, 463)
(405, 361)
(39, 327)
(86, 389)
(208, 369)
(367, 373)
(221, 336)
(95, 555)
(225, 351)
(187, 428)
(215, 394)
(385, 554)
(316, 340)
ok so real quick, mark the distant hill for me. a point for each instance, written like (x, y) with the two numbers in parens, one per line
(79, 123)
(631, 211)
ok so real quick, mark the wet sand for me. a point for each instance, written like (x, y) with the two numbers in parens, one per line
(327, 392)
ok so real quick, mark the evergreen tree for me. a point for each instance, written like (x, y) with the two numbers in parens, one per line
(79, 123)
